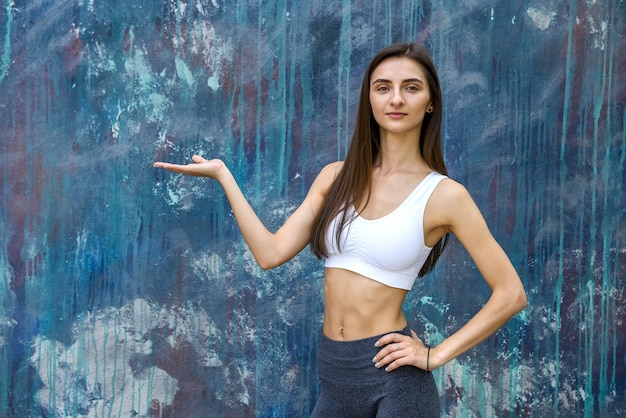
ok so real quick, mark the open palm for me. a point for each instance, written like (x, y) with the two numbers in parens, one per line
(200, 167)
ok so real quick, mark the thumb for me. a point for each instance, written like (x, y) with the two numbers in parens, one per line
(198, 159)
(414, 335)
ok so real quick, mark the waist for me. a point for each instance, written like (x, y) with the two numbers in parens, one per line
(348, 349)
(351, 361)
(356, 307)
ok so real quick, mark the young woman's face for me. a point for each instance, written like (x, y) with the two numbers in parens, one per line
(399, 96)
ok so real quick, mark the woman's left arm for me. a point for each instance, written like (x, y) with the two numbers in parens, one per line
(456, 211)
(451, 209)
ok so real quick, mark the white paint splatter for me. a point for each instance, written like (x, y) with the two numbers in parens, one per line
(598, 32)
(5, 325)
(146, 87)
(183, 71)
(96, 375)
(115, 128)
(213, 83)
(541, 18)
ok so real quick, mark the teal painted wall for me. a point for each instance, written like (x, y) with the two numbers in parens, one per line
(126, 291)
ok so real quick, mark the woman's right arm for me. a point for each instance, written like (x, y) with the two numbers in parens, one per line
(269, 249)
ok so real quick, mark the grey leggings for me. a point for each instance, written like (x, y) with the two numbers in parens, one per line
(352, 387)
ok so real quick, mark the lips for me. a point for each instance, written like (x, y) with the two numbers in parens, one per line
(396, 115)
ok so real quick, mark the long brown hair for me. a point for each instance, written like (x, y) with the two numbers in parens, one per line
(351, 186)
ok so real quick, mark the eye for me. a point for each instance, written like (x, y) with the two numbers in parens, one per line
(412, 87)
(382, 88)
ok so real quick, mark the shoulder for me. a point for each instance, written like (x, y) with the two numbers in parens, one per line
(327, 176)
(323, 181)
(452, 202)
(450, 191)
(331, 169)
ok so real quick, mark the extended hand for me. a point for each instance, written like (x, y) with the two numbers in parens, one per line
(401, 350)
(199, 168)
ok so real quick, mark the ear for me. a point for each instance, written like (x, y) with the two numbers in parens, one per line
(430, 108)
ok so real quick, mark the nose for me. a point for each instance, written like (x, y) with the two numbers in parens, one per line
(397, 99)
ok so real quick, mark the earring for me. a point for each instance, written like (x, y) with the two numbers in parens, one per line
(429, 109)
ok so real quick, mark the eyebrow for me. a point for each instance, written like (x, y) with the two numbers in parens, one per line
(408, 80)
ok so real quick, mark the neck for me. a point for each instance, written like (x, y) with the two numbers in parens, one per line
(399, 152)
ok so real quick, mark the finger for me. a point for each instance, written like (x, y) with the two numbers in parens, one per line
(389, 344)
(394, 359)
(168, 166)
(388, 339)
(388, 354)
(384, 352)
(397, 364)
(180, 169)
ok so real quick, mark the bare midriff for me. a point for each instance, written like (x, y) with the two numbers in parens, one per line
(356, 307)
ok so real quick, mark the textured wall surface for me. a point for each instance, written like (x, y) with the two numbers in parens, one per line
(127, 291)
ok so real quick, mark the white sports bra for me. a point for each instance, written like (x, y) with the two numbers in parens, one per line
(390, 249)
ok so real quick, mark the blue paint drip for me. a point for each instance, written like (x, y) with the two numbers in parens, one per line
(6, 54)
(343, 81)
(563, 181)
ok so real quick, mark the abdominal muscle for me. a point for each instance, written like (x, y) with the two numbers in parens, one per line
(356, 307)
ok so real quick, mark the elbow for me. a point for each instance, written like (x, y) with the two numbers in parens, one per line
(524, 301)
(268, 263)
(512, 300)
(519, 300)
(266, 266)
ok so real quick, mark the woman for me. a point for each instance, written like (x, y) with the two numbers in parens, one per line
(380, 219)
